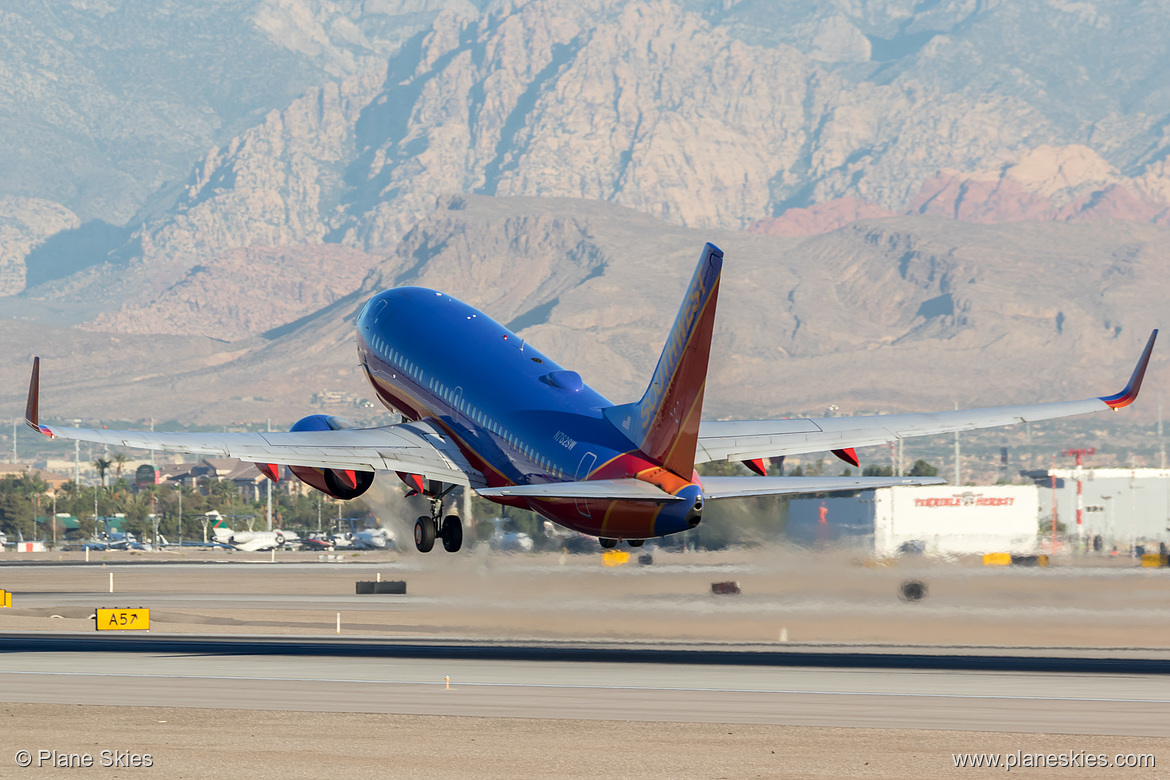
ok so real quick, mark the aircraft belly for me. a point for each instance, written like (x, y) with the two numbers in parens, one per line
(610, 519)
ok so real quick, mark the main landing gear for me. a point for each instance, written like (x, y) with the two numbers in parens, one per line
(448, 528)
(609, 544)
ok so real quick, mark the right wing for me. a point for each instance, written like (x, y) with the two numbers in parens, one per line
(415, 448)
(750, 439)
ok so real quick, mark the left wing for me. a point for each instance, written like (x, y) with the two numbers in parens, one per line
(749, 440)
(416, 448)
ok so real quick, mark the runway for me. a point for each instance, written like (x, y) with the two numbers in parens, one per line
(598, 684)
(563, 667)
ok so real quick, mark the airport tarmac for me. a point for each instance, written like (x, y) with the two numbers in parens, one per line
(803, 597)
(250, 709)
(213, 716)
(1044, 702)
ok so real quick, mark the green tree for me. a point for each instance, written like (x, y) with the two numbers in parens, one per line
(137, 510)
(877, 471)
(16, 507)
(923, 469)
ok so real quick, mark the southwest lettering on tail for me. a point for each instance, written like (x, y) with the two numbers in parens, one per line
(485, 410)
(668, 414)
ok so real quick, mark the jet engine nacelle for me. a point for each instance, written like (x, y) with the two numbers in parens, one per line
(337, 483)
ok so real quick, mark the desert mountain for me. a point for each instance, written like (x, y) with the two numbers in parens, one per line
(914, 197)
(678, 111)
(104, 101)
(889, 314)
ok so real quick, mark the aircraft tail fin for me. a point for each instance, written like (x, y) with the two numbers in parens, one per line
(664, 425)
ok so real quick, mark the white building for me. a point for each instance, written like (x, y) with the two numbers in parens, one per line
(936, 520)
(1122, 506)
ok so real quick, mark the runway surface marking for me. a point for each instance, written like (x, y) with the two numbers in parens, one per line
(677, 689)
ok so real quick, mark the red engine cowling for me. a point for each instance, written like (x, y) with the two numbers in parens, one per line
(344, 484)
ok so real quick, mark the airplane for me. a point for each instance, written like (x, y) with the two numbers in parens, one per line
(250, 541)
(484, 409)
(376, 538)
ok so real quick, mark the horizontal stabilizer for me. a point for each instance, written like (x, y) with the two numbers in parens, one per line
(713, 487)
(742, 487)
(604, 489)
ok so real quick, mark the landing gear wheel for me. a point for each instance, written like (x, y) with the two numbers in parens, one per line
(424, 534)
(452, 534)
(608, 544)
(635, 542)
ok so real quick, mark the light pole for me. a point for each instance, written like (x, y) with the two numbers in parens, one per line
(268, 483)
(154, 544)
(1080, 475)
(77, 455)
(1109, 517)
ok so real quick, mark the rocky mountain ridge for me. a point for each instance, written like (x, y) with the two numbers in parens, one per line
(644, 105)
(821, 120)
(890, 314)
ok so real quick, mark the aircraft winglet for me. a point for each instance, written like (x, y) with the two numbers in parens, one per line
(1130, 393)
(32, 407)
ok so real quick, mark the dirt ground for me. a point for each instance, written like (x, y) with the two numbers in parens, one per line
(193, 744)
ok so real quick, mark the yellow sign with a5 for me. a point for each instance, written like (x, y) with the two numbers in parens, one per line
(122, 619)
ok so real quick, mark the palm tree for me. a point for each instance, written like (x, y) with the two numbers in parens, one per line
(102, 465)
(119, 464)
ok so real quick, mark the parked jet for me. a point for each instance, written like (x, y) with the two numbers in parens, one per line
(250, 541)
(376, 538)
(485, 409)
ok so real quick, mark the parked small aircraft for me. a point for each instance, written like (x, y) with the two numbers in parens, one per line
(250, 541)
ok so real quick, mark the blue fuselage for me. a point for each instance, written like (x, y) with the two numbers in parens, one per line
(516, 415)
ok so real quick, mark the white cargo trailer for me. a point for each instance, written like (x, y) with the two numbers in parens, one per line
(935, 520)
(957, 520)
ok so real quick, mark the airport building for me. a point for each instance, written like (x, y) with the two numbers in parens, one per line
(941, 520)
(1123, 507)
